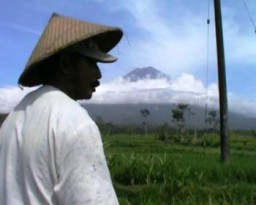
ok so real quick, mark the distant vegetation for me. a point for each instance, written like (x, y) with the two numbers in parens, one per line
(162, 165)
(195, 117)
(173, 163)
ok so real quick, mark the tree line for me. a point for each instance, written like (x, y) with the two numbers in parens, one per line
(180, 115)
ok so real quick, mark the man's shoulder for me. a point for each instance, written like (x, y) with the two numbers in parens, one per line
(62, 102)
(54, 101)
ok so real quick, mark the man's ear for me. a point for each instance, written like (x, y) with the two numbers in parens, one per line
(65, 63)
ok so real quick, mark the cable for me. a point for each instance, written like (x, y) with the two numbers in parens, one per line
(207, 59)
(127, 39)
(250, 16)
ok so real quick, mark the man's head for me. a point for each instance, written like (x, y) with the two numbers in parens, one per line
(75, 74)
(67, 53)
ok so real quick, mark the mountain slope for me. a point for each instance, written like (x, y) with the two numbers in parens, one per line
(128, 114)
(145, 73)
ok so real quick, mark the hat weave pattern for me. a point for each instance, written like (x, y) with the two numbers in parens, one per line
(62, 32)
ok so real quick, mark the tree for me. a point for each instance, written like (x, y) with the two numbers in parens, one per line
(162, 132)
(212, 119)
(145, 113)
(179, 117)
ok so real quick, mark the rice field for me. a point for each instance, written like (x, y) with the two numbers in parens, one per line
(148, 171)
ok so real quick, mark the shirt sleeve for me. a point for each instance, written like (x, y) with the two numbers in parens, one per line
(84, 177)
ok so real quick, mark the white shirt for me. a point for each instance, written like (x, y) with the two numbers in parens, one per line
(51, 153)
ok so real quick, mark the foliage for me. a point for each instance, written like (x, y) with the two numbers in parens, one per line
(145, 113)
(179, 116)
(148, 171)
(162, 132)
(212, 119)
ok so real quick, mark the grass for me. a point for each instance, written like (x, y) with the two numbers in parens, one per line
(148, 171)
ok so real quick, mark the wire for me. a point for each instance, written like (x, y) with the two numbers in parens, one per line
(207, 58)
(127, 39)
(250, 16)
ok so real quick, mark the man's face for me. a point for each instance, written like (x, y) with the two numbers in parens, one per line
(85, 78)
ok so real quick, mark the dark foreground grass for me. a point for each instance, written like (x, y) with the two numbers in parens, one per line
(188, 194)
(147, 171)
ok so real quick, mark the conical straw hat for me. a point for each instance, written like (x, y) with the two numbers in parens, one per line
(60, 33)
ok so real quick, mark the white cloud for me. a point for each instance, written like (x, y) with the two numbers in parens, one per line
(188, 83)
(177, 43)
(240, 43)
(21, 28)
(185, 89)
(10, 97)
(242, 105)
(174, 47)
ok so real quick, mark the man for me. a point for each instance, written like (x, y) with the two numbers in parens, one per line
(51, 151)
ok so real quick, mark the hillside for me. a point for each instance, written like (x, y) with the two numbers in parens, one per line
(145, 73)
(159, 114)
(127, 114)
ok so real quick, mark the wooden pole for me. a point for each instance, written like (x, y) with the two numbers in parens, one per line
(224, 139)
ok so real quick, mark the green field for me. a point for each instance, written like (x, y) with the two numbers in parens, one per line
(146, 170)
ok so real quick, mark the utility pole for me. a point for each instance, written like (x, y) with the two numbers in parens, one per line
(224, 138)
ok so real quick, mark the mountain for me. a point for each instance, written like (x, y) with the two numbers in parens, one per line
(145, 73)
(128, 114)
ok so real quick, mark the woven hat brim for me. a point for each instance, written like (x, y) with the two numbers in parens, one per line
(99, 56)
(106, 37)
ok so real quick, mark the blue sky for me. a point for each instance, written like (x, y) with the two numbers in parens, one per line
(170, 35)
